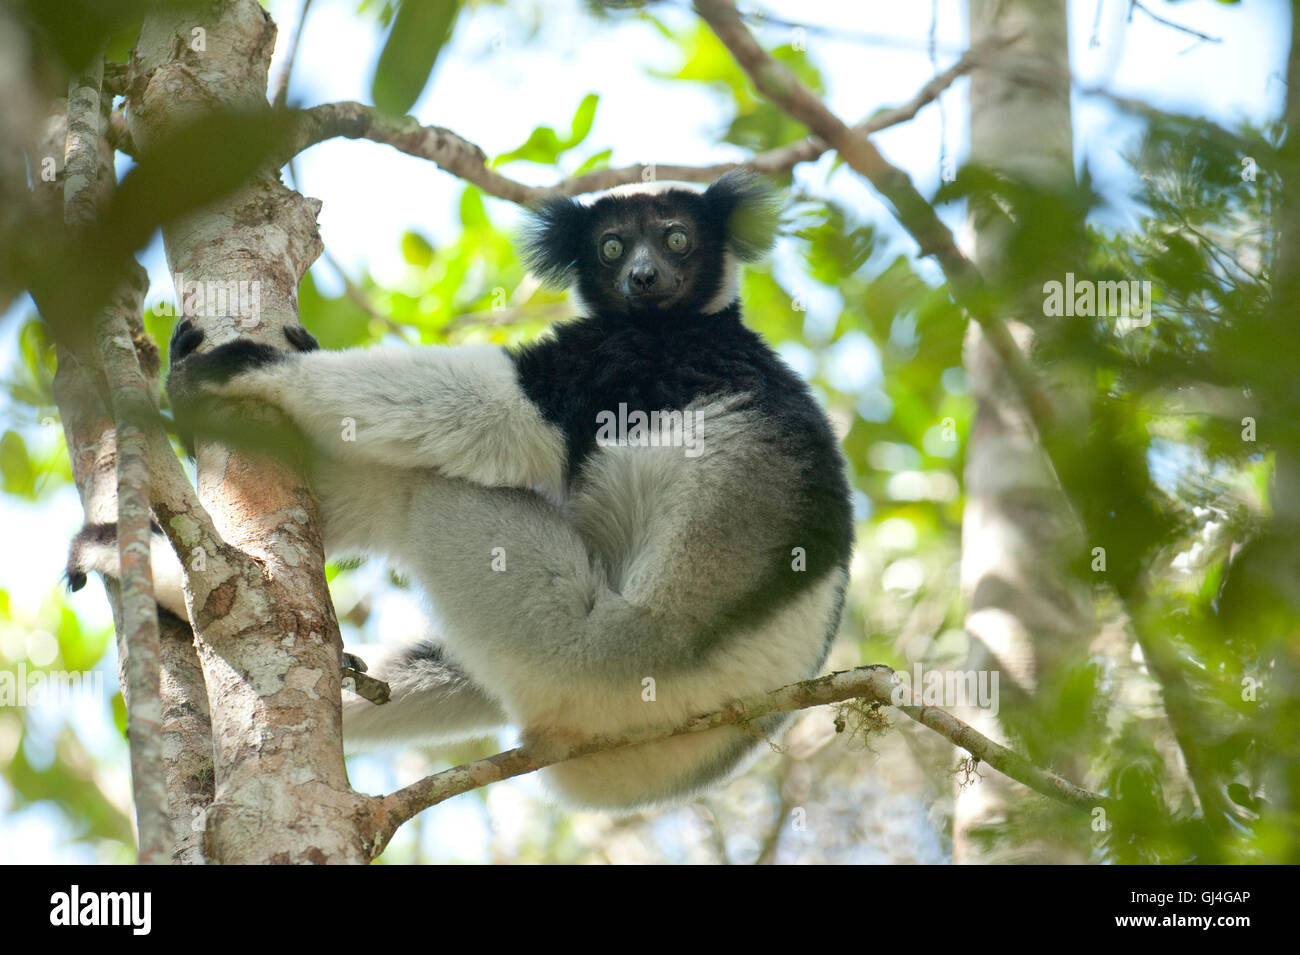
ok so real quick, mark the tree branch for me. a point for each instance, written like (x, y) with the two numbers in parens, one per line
(776, 81)
(267, 637)
(460, 157)
(1136, 5)
(139, 612)
(280, 94)
(874, 684)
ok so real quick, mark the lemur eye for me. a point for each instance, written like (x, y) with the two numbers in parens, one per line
(677, 241)
(611, 248)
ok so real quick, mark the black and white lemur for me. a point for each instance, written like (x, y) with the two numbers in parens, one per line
(627, 523)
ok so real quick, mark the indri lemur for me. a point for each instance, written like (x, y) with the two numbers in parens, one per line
(574, 546)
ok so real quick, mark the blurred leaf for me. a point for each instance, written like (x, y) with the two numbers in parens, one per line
(416, 250)
(16, 466)
(598, 160)
(545, 146)
(420, 30)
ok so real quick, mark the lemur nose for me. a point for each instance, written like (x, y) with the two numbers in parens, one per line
(644, 277)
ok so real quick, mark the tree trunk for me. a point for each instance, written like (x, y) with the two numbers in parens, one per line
(268, 639)
(1023, 610)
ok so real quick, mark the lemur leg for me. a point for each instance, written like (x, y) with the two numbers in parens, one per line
(432, 701)
(431, 698)
(521, 597)
(529, 611)
(95, 549)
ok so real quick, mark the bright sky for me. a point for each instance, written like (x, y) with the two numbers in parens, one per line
(498, 80)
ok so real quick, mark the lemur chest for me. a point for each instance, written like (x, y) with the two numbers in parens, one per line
(632, 501)
(654, 498)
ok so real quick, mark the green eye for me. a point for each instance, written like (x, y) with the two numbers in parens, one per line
(611, 248)
(677, 241)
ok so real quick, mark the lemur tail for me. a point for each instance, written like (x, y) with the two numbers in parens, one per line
(95, 548)
(432, 700)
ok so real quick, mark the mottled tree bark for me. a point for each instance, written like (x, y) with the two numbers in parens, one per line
(181, 735)
(267, 635)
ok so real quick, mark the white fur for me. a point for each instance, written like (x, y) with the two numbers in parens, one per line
(614, 586)
(622, 578)
(460, 410)
(576, 300)
(729, 290)
(429, 702)
(168, 575)
(783, 649)
(655, 187)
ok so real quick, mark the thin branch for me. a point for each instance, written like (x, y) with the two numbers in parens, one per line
(359, 298)
(779, 84)
(1154, 114)
(786, 804)
(91, 443)
(119, 135)
(458, 156)
(507, 316)
(281, 85)
(1182, 711)
(139, 611)
(875, 684)
(1136, 5)
(761, 18)
(972, 58)
(140, 633)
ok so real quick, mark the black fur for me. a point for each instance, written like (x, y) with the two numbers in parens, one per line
(553, 243)
(300, 338)
(748, 211)
(664, 358)
(195, 410)
(736, 213)
(595, 363)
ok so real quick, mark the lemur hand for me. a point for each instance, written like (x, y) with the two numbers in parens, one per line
(204, 388)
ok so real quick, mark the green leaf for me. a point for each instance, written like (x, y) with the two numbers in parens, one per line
(582, 120)
(598, 160)
(472, 213)
(417, 250)
(544, 144)
(420, 30)
(19, 476)
(336, 322)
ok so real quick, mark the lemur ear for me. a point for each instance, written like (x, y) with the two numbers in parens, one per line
(552, 240)
(748, 209)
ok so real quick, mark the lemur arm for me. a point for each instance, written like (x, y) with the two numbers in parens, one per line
(459, 410)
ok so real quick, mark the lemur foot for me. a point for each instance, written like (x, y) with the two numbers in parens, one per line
(356, 680)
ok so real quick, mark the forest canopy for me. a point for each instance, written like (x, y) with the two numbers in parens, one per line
(1042, 293)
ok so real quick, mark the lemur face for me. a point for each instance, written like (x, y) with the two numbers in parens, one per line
(653, 249)
(647, 254)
